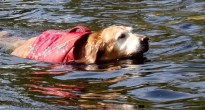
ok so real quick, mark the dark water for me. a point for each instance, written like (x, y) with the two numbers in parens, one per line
(173, 77)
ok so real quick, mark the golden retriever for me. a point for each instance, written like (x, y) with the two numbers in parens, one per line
(111, 43)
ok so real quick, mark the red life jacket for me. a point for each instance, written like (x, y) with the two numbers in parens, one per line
(57, 45)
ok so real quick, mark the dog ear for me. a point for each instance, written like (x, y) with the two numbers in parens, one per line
(94, 46)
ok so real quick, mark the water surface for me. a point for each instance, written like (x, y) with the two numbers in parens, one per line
(172, 77)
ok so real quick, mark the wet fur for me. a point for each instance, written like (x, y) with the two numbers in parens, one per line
(103, 45)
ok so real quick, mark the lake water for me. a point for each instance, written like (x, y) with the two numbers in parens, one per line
(172, 77)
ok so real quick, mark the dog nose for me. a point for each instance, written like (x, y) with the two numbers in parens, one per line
(144, 39)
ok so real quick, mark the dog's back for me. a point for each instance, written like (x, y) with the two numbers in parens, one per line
(7, 43)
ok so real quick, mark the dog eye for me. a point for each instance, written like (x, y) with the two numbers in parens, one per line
(122, 36)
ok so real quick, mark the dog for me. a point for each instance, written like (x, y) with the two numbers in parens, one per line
(111, 43)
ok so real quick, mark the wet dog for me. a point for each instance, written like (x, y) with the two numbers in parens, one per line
(111, 43)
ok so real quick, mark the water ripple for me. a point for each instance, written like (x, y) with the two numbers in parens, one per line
(156, 94)
(170, 77)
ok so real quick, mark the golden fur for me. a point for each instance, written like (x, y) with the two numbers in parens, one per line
(111, 43)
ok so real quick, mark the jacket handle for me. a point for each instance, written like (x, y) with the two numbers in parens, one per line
(79, 29)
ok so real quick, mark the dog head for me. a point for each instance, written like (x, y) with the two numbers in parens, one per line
(115, 42)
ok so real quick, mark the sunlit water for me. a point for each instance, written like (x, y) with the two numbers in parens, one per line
(172, 77)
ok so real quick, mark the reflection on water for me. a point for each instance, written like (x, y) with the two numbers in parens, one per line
(170, 78)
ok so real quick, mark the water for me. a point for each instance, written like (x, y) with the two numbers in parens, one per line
(172, 77)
